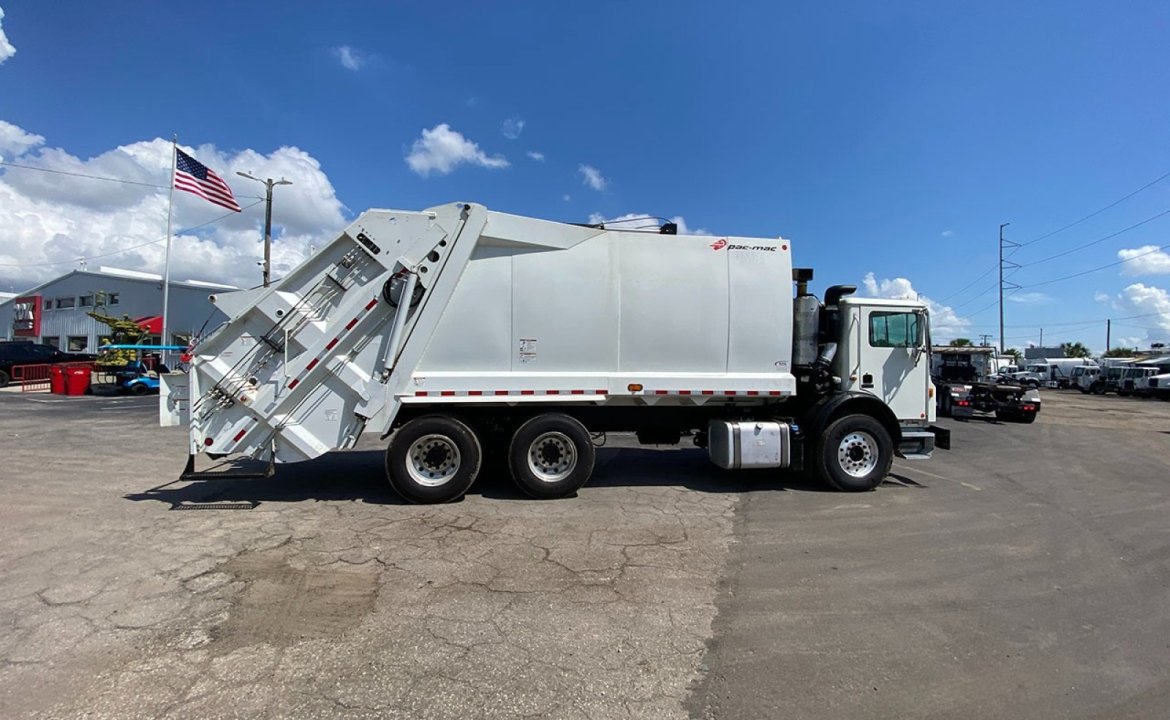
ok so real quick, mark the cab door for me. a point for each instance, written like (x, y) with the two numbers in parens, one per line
(892, 360)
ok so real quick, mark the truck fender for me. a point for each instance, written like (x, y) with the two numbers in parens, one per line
(831, 407)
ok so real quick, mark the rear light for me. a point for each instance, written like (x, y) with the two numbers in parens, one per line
(1029, 408)
(208, 442)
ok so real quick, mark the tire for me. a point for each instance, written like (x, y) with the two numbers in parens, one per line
(433, 459)
(551, 456)
(1097, 388)
(4, 379)
(854, 454)
(138, 389)
(945, 404)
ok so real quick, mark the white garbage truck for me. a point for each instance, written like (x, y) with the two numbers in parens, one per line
(458, 331)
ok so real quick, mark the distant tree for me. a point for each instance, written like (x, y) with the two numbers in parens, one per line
(1074, 350)
(1014, 354)
(961, 342)
(1121, 352)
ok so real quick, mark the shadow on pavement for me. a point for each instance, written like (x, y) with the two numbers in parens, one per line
(359, 475)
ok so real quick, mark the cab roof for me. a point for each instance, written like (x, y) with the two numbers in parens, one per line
(882, 302)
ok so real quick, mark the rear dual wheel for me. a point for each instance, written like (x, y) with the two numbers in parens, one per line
(436, 458)
(551, 456)
(433, 459)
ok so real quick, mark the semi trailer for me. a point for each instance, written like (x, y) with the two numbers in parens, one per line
(458, 332)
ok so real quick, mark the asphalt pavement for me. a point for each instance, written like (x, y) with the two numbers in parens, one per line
(1025, 573)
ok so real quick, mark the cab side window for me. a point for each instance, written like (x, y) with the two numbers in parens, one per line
(894, 329)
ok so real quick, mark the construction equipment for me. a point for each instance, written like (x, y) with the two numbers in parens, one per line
(458, 330)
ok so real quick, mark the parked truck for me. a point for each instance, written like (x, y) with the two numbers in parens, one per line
(456, 331)
(965, 383)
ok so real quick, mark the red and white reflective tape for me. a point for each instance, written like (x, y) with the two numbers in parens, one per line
(731, 393)
(208, 441)
(333, 343)
(489, 393)
(504, 393)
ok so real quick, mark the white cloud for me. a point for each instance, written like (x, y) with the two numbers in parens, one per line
(591, 176)
(947, 233)
(14, 141)
(642, 221)
(566, 197)
(442, 149)
(350, 58)
(512, 127)
(945, 323)
(1145, 260)
(1143, 299)
(1028, 298)
(6, 48)
(53, 218)
(537, 156)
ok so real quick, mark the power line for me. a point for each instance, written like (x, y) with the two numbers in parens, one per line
(1098, 240)
(105, 178)
(1064, 324)
(132, 247)
(960, 290)
(1113, 204)
(83, 175)
(1097, 269)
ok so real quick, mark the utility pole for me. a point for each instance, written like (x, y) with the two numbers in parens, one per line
(1012, 286)
(267, 220)
(985, 339)
(1108, 332)
(1041, 337)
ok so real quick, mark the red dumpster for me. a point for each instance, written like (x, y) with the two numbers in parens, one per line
(77, 380)
(57, 381)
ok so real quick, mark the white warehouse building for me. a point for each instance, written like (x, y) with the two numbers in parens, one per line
(56, 312)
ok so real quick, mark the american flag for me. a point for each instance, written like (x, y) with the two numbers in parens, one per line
(195, 177)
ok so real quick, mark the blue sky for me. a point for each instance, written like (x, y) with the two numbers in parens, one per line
(884, 138)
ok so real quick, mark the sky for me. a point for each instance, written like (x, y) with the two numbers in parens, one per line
(887, 141)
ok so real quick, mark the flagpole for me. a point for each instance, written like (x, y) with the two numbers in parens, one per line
(167, 257)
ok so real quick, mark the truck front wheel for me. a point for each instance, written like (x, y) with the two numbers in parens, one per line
(551, 456)
(855, 454)
(433, 459)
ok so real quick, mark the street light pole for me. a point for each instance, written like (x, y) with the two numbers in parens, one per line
(267, 220)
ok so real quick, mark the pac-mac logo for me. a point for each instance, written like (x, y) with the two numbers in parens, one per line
(722, 243)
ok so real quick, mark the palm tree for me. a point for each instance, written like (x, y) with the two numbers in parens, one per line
(1014, 353)
(961, 342)
(1074, 350)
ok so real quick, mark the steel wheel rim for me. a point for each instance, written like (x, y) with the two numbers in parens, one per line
(552, 457)
(858, 454)
(433, 460)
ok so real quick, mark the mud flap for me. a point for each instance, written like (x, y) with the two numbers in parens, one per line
(942, 437)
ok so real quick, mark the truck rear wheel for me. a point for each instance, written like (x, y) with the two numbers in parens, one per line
(855, 454)
(551, 456)
(433, 459)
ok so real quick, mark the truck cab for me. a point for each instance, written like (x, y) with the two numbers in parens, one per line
(884, 351)
(1083, 377)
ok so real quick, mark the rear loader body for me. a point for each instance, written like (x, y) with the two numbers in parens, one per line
(457, 327)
